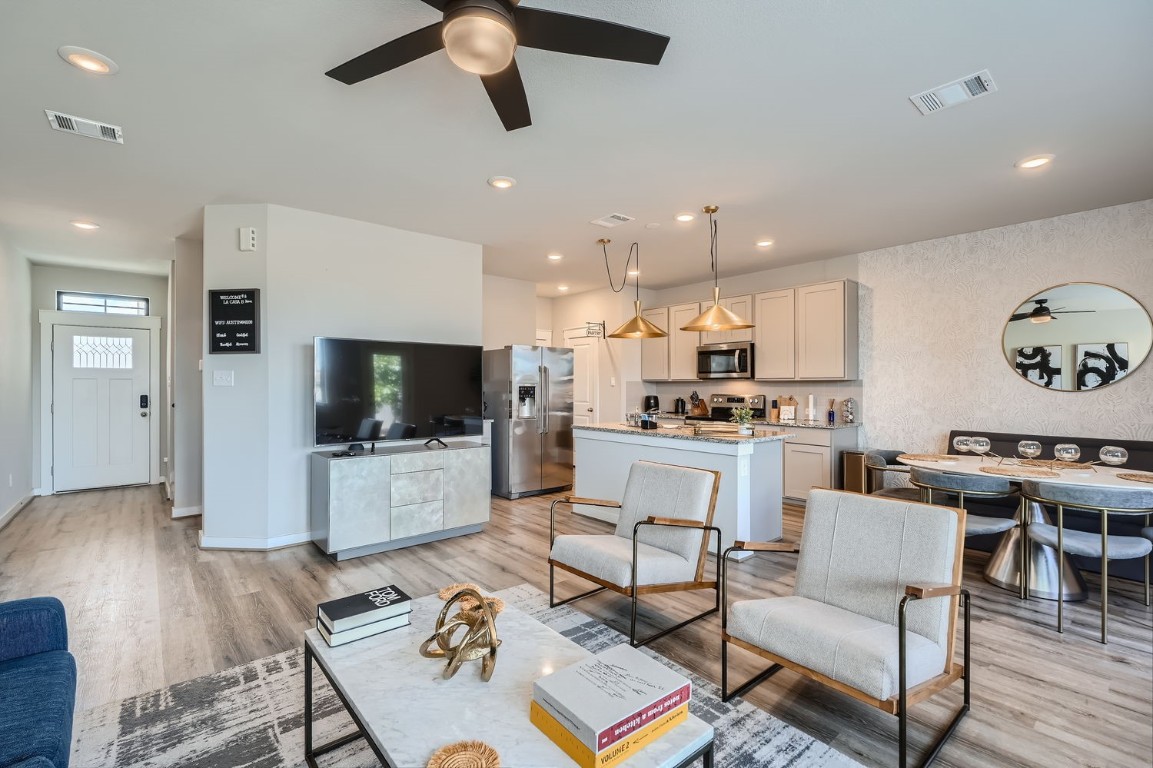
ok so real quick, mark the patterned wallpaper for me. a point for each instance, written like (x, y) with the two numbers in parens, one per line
(932, 315)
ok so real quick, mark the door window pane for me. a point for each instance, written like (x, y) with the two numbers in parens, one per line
(101, 352)
(104, 303)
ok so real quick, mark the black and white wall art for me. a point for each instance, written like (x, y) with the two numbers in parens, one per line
(1041, 365)
(1101, 364)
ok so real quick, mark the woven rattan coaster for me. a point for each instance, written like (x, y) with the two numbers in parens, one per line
(1140, 477)
(925, 457)
(465, 754)
(1020, 472)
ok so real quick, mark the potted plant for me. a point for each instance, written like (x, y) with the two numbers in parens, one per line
(742, 418)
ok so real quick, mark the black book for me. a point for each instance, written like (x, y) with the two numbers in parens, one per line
(356, 610)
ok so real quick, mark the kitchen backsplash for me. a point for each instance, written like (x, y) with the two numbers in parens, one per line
(821, 391)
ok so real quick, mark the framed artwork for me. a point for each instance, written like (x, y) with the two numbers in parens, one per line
(1040, 365)
(1099, 364)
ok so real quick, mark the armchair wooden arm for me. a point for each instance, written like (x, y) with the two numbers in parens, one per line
(767, 546)
(925, 591)
(674, 521)
(584, 500)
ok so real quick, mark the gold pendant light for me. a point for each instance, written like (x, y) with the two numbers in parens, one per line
(637, 327)
(716, 317)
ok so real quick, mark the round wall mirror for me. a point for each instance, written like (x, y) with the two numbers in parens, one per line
(1077, 336)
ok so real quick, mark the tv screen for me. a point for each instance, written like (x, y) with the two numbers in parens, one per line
(394, 390)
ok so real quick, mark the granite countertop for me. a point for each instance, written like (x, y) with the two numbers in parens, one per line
(686, 433)
(810, 424)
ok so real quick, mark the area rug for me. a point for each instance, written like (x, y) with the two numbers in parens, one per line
(251, 716)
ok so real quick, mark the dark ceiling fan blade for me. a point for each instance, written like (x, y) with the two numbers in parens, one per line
(506, 91)
(582, 36)
(1018, 316)
(391, 55)
(437, 4)
(1071, 311)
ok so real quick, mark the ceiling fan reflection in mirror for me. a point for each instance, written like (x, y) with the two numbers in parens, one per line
(1042, 314)
(481, 36)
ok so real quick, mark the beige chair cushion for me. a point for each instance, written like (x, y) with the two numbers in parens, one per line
(610, 558)
(850, 648)
(661, 490)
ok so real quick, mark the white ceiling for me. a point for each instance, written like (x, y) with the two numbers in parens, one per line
(792, 116)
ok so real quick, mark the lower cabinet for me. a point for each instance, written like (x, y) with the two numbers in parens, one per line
(812, 458)
(398, 497)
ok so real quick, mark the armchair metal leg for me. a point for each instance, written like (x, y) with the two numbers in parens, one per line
(633, 641)
(748, 685)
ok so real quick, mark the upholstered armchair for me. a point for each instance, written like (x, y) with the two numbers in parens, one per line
(874, 609)
(660, 543)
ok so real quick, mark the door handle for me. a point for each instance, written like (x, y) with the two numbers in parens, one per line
(144, 401)
(590, 410)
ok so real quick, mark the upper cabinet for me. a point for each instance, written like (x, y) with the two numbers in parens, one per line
(807, 333)
(673, 358)
(741, 306)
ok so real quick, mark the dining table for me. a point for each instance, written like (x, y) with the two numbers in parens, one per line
(1004, 566)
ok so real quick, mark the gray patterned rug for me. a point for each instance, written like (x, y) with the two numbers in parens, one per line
(251, 716)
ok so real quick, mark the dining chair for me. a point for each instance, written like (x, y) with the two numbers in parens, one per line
(931, 481)
(660, 543)
(877, 463)
(1104, 501)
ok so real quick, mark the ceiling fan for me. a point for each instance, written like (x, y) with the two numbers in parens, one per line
(481, 36)
(1042, 314)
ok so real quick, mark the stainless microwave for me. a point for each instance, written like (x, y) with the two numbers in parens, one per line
(725, 361)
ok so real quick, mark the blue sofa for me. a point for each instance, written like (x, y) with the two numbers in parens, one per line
(38, 684)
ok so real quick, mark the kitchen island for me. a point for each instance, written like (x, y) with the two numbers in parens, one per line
(751, 467)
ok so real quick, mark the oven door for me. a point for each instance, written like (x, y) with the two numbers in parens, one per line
(725, 361)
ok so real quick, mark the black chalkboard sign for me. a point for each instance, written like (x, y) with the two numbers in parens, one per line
(234, 321)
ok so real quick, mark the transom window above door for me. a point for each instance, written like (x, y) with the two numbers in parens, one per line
(102, 303)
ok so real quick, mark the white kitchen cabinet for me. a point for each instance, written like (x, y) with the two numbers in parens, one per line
(683, 344)
(807, 333)
(742, 306)
(827, 330)
(813, 456)
(655, 352)
(775, 340)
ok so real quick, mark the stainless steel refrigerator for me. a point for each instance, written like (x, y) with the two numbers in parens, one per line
(528, 394)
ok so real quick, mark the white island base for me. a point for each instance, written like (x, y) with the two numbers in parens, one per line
(749, 501)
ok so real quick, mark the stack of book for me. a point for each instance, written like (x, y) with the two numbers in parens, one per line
(603, 710)
(356, 616)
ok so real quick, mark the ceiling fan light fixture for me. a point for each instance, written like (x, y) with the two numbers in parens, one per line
(479, 37)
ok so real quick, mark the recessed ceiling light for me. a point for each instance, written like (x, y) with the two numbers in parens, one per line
(685, 217)
(502, 182)
(764, 243)
(562, 287)
(1036, 161)
(634, 272)
(555, 256)
(89, 61)
(82, 224)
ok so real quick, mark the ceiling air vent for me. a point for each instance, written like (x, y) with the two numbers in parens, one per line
(954, 93)
(612, 220)
(78, 125)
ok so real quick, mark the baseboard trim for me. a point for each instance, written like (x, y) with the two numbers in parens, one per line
(14, 510)
(187, 511)
(261, 545)
(167, 488)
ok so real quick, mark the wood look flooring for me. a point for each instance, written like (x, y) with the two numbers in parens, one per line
(147, 608)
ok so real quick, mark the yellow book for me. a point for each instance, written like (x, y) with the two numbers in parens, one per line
(616, 753)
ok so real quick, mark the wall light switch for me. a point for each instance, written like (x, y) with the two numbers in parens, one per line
(248, 238)
(223, 378)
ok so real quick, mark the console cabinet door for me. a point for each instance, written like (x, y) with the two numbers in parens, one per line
(683, 344)
(467, 479)
(655, 352)
(358, 503)
(775, 343)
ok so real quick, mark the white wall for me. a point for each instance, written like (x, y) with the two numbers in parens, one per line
(510, 312)
(319, 275)
(544, 314)
(618, 360)
(16, 415)
(187, 290)
(46, 280)
(770, 279)
(932, 318)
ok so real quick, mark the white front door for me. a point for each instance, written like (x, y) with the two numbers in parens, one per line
(584, 376)
(101, 407)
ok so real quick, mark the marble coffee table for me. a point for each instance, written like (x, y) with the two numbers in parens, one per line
(406, 711)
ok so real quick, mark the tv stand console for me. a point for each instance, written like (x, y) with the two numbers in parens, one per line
(398, 497)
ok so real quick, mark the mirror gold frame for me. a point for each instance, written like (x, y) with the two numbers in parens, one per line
(1077, 337)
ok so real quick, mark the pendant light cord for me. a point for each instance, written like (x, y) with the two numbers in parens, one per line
(634, 252)
(713, 250)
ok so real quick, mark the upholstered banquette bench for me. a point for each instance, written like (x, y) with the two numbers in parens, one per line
(1005, 444)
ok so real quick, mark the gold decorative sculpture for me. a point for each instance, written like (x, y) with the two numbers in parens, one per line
(476, 620)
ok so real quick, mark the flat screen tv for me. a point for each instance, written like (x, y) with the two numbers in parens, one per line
(365, 391)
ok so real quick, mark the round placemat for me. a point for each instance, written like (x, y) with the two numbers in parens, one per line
(1020, 472)
(1054, 463)
(925, 457)
(465, 754)
(1140, 477)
